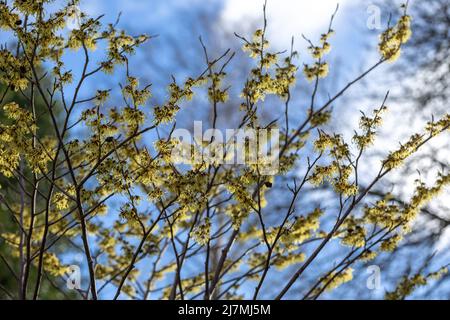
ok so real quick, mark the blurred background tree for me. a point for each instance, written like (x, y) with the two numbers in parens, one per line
(9, 263)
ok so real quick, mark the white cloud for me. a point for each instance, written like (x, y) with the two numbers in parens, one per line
(286, 18)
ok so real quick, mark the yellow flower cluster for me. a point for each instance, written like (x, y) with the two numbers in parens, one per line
(8, 18)
(133, 117)
(340, 182)
(315, 71)
(318, 51)
(355, 233)
(337, 173)
(167, 112)
(101, 97)
(391, 243)
(129, 212)
(202, 232)
(320, 118)
(13, 71)
(29, 6)
(237, 215)
(258, 44)
(409, 284)
(131, 90)
(241, 194)
(434, 128)
(303, 228)
(424, 195)
(262, 82)
(15, 141)
(391, 215)
(396, 158)
(283, 261)
(338, 148)
(335, 279)
(323, 173)
(61, 201)
(320, 68)
(368, 125)
(382, 213)
(394, 37)
(368, 255)
(87, 34)
(53, 265)
(215, 94)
